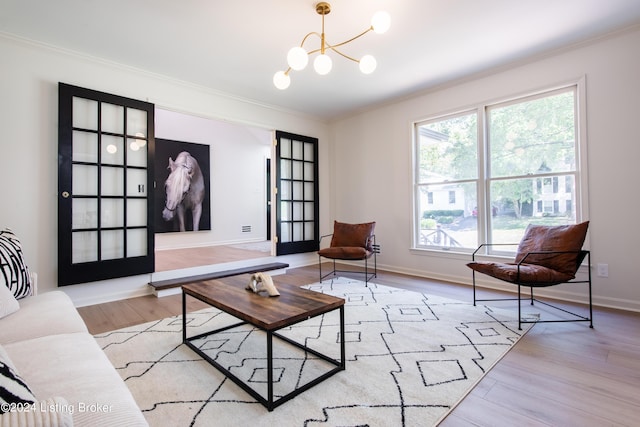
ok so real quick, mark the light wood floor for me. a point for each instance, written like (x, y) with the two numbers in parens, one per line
(167, 260)
(558, 374)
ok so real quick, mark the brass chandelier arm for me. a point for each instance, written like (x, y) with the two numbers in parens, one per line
(332, 47)
(310, 34)
(328, 46)
(353, 38)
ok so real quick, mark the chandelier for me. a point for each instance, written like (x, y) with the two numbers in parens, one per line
(298, 57)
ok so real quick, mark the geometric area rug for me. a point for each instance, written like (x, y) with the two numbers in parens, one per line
(410, 358)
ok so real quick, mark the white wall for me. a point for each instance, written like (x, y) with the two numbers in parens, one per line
(372, 162)
(29, 78)
(237, 185)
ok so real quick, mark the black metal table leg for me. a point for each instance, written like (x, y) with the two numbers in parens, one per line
(342, 340)
(184, 317)
(270, 370)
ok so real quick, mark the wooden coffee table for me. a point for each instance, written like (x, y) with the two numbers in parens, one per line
(269, 314)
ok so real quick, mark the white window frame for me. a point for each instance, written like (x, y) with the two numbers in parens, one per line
(581, 202)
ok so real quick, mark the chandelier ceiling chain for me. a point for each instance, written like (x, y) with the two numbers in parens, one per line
(298, 57)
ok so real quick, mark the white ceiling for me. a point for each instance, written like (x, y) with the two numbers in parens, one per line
(235, 47)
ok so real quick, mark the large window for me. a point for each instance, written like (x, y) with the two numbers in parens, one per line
(484, 175)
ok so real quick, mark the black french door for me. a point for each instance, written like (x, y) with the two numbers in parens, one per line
(105, 186)
(297, 201)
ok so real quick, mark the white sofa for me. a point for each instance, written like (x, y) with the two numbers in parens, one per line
(53, 352)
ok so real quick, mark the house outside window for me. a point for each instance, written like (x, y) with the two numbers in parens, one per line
(503, 166)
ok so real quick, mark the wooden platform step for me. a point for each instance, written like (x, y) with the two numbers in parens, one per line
(162, 285)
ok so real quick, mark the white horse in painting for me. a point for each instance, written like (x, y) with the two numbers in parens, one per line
(185, 190)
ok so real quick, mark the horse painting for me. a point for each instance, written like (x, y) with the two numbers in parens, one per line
(185, 190)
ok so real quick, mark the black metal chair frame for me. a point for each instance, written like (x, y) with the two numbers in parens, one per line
(582, 254)
(367, 275)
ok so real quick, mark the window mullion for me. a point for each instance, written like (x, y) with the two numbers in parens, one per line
(484, 225)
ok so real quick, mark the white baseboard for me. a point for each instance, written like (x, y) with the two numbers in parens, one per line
(555, 292)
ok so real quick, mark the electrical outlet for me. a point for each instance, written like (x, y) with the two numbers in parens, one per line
(603, 270)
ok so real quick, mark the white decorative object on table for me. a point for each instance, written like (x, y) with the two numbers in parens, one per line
(261, 282)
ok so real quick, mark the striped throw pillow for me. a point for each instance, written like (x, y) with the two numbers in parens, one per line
(14, 392)
(14, 272)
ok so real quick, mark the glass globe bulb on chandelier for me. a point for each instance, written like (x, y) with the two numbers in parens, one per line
(298, 57)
